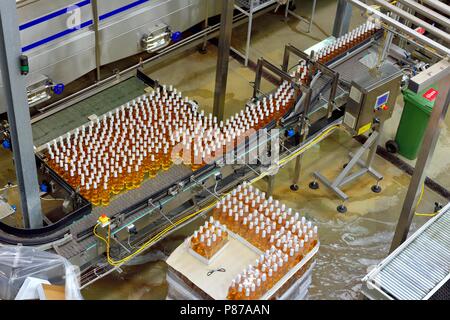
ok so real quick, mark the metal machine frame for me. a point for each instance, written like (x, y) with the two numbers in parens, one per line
(19, 115)
(438, 74)
(344, 178)
(364, 118)
(304, 123)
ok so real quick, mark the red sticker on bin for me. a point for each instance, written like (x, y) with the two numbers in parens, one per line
(420, 30)
(431, 94)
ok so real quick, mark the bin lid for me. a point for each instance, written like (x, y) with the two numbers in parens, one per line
(424, 99)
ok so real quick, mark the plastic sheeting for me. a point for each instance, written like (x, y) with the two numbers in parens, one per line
(179, 290)
(18, 263)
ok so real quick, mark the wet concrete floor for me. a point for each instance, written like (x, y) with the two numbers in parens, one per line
(351, 243)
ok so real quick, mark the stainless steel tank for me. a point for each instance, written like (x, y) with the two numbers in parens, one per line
(59, 39)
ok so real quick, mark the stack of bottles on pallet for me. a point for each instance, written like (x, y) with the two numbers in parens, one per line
(335, 49)
(284, 237)
(256, 280)
(117, 151)
(209, 238)
(265, 223)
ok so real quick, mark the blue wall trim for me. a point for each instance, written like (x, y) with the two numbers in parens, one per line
(122, 9)
(81, 26)
(56, 36)
(54, 15)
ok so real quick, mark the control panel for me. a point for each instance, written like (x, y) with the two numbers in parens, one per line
(372, 98)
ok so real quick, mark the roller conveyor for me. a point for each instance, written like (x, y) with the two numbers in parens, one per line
(419, 269)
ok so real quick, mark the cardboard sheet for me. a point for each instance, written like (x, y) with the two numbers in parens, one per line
(234, 258)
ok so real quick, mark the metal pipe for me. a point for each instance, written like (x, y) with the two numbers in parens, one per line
(226, 27)
(258, 76)
(96, 20)
(389, 38)
(19, 115)
(438, 5)
(415, 43)
(427, 12)
(419, 37)
(342, 18)
(430, 28)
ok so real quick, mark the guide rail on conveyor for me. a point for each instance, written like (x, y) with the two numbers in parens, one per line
(417, 270)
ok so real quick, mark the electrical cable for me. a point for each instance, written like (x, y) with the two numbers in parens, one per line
(161, 234)
(418, 203)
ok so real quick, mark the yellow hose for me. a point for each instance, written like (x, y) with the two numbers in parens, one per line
(162, 233)
(418, 203)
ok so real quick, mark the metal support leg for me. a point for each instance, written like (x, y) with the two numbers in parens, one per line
(426, 154)
(249, 35)
(389, 38)
(313, 12)
(270, 185)
(342, 18)
(343, 178)
(331, 98)
(297, 172)
(96, 20)
(205, 25)
(226, 27)
(292, 13)
(19, 115)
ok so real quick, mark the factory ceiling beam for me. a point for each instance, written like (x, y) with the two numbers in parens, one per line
(424, 40)
(417, 21)
(226, 28)
(439, 75)
(427, 12)
(19, 115)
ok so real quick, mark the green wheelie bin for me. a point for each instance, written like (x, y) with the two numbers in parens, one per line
(414, 121)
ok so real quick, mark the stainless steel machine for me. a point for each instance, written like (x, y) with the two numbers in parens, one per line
(371, 102)
(66, 39)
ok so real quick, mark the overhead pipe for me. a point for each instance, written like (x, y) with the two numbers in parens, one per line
(438, 5)
(430, 28)
(392, 22)
(427, 12)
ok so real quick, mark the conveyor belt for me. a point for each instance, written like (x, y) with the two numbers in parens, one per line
(120, 204)
(420, 267)
(68, 119)
(348, 69)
